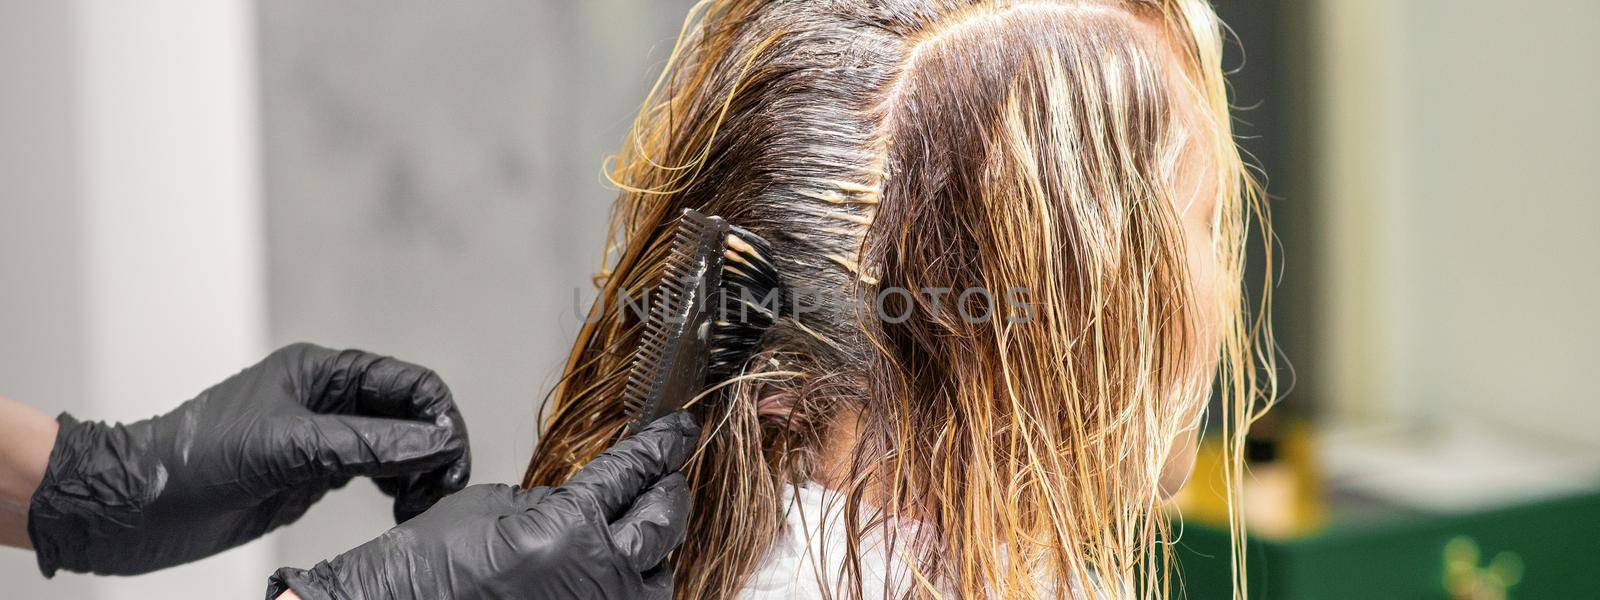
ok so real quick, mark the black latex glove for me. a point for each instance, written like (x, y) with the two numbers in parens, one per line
(246, 456)
(605, 534)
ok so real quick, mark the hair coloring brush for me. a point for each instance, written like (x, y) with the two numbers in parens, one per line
(718, 294)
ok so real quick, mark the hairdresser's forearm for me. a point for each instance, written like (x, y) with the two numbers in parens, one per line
(26, 436)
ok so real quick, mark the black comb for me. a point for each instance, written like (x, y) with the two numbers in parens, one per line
(719, 293)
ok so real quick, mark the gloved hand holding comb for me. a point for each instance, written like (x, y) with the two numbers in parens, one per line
(604, 534)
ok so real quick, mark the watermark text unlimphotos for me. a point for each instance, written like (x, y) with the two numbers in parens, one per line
(894, 305)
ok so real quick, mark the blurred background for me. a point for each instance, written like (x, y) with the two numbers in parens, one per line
(185, 185)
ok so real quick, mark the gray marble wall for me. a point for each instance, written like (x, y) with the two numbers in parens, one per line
(433, 191)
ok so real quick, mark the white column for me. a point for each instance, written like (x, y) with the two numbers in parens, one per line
(42, 332)
(173, 221)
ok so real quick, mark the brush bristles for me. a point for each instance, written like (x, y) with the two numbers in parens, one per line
(752, 299)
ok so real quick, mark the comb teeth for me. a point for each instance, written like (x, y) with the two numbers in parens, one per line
(694, 255)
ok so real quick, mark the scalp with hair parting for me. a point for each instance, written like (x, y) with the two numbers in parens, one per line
(945, 145)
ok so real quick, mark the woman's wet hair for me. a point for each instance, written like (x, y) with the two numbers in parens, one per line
(1028, 149)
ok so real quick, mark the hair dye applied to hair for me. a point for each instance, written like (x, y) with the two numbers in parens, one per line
(1065, 150)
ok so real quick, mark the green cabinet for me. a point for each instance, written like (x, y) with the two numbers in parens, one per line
(1546, 550)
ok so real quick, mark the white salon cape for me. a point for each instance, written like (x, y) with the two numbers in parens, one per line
(807, 559)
